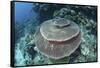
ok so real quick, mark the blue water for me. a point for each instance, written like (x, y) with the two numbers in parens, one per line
(23, 11)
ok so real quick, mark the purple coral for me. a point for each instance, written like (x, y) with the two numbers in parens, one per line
(58, 38)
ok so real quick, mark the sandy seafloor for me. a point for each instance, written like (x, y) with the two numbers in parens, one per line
(28, 18)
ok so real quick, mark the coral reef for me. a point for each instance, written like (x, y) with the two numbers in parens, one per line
(84, 16)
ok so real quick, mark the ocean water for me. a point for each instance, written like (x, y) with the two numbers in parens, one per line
(23, 13)
(28, 18)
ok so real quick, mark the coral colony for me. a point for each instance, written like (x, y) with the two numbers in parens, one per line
(58, 38)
